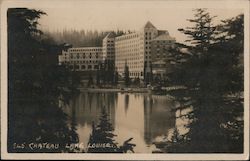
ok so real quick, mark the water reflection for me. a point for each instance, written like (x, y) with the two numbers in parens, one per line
(141, 116)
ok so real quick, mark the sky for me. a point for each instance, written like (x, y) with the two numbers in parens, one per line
(131, 15)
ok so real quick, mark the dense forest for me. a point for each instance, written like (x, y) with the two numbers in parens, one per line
(81, 38)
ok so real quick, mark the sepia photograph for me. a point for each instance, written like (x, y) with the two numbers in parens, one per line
(143, 79)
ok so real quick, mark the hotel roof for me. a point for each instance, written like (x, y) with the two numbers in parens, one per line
(149, 25)
(164, 37)
(110, 35)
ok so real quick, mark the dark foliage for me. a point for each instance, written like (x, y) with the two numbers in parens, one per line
(102, 138)
(35, 83)
(106, 73)
(126, 75)
(212, 74)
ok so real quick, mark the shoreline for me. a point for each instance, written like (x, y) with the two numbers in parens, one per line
(125, 90)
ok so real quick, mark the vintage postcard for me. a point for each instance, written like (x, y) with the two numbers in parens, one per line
(125, 80)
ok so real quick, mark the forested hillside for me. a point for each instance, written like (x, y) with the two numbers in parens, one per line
(81, 38)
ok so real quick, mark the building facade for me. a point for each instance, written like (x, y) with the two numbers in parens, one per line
(141, 51)
(129, 50)
(82, 59)
(160, 52)
(108, 47)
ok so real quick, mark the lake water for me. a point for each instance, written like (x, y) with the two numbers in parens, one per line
(144, 117)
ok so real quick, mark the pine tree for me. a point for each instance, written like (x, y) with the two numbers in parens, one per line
(102, 135)
(116, 77)
(35, 83)
(102, 138)
(98, 78)
(201, 34)
(208, 73)
(126, 75)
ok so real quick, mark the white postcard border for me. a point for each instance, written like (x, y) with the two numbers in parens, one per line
(75, 156)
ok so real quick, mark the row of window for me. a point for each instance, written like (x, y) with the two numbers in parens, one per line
(83, 67)
(130, 67)
(110, 41)
(109, 53)
(110, 45)
(136, 74)
(83, 57)
(125, 57)
(120, 49)
(78, 54)
(90, 61)
(122, 63)
(127, 37)
(127, 45)
(85, 49)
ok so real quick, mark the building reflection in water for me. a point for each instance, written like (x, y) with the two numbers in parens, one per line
(126, 101)
(158, 117)
(141, 116)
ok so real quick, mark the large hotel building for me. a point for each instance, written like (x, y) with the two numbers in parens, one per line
(82, 59)
(144, 52)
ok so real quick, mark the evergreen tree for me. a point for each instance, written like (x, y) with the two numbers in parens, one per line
(116, 77)
(126, 75)
(102, 135)
(98, 78)
(35, 83)
(102, 138)
(209, 74)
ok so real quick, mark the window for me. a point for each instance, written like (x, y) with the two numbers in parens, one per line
(89, 67)
(83, 67)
